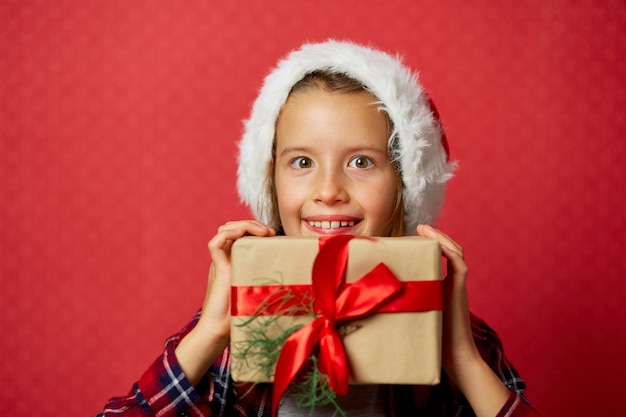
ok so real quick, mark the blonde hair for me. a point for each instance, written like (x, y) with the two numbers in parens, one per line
(339, 83)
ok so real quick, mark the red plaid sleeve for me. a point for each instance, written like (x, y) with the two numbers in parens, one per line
(167, 391)
(516, 406)
(491, 350)
(163, 390)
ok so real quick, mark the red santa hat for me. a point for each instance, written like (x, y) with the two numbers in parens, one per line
(417, 144)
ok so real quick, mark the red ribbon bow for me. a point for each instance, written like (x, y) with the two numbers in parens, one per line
(335, 303)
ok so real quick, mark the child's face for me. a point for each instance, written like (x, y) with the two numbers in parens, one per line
(332, 168)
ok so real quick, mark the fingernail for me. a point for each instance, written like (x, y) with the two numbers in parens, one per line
(429, 230)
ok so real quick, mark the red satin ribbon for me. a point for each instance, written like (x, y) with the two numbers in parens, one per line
(279, 299)
(335, 302)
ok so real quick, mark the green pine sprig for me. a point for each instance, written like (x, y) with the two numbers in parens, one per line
(311, 388)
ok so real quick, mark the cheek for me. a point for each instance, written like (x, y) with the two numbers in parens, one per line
(382, 201)
(384, 204)
(289, 212)
(288, 199)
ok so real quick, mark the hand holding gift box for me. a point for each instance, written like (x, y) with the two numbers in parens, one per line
(385, 293)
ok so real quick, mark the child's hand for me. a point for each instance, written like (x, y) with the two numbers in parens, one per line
(461, 358)
(458, 344)
(203, 345)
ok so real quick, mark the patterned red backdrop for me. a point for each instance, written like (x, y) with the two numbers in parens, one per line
(118, 130)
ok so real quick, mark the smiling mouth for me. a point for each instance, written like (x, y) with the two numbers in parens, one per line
(335, 224)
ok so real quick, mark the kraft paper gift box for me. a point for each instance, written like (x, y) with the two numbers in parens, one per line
(382, 348)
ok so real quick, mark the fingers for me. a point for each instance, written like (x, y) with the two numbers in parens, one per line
(215, 313)
(444, 240)
(458, 344)
(254, 227)
(452, 251)
(220, 244)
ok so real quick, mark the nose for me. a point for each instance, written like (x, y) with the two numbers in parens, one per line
(330, 187)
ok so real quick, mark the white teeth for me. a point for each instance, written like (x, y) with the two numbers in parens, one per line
(335, 224)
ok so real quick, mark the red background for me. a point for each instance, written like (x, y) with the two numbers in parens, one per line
(118, 130)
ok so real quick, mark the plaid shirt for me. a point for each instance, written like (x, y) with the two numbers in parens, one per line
(164, 391)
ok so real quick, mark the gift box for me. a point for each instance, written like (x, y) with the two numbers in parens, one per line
(399, 342)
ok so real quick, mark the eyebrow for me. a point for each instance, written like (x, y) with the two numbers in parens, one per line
(294, 149)
(356, 149)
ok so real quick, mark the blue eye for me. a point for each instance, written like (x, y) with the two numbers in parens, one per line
(361, 162)
(302, 162)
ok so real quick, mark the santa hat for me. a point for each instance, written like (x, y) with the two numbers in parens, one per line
(417, 143)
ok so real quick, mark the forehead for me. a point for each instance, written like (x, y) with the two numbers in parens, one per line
(321, 115)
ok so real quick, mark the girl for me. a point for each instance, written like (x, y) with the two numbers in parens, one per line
(342, 139)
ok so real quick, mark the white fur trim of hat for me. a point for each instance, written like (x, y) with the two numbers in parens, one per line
(415, 143)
